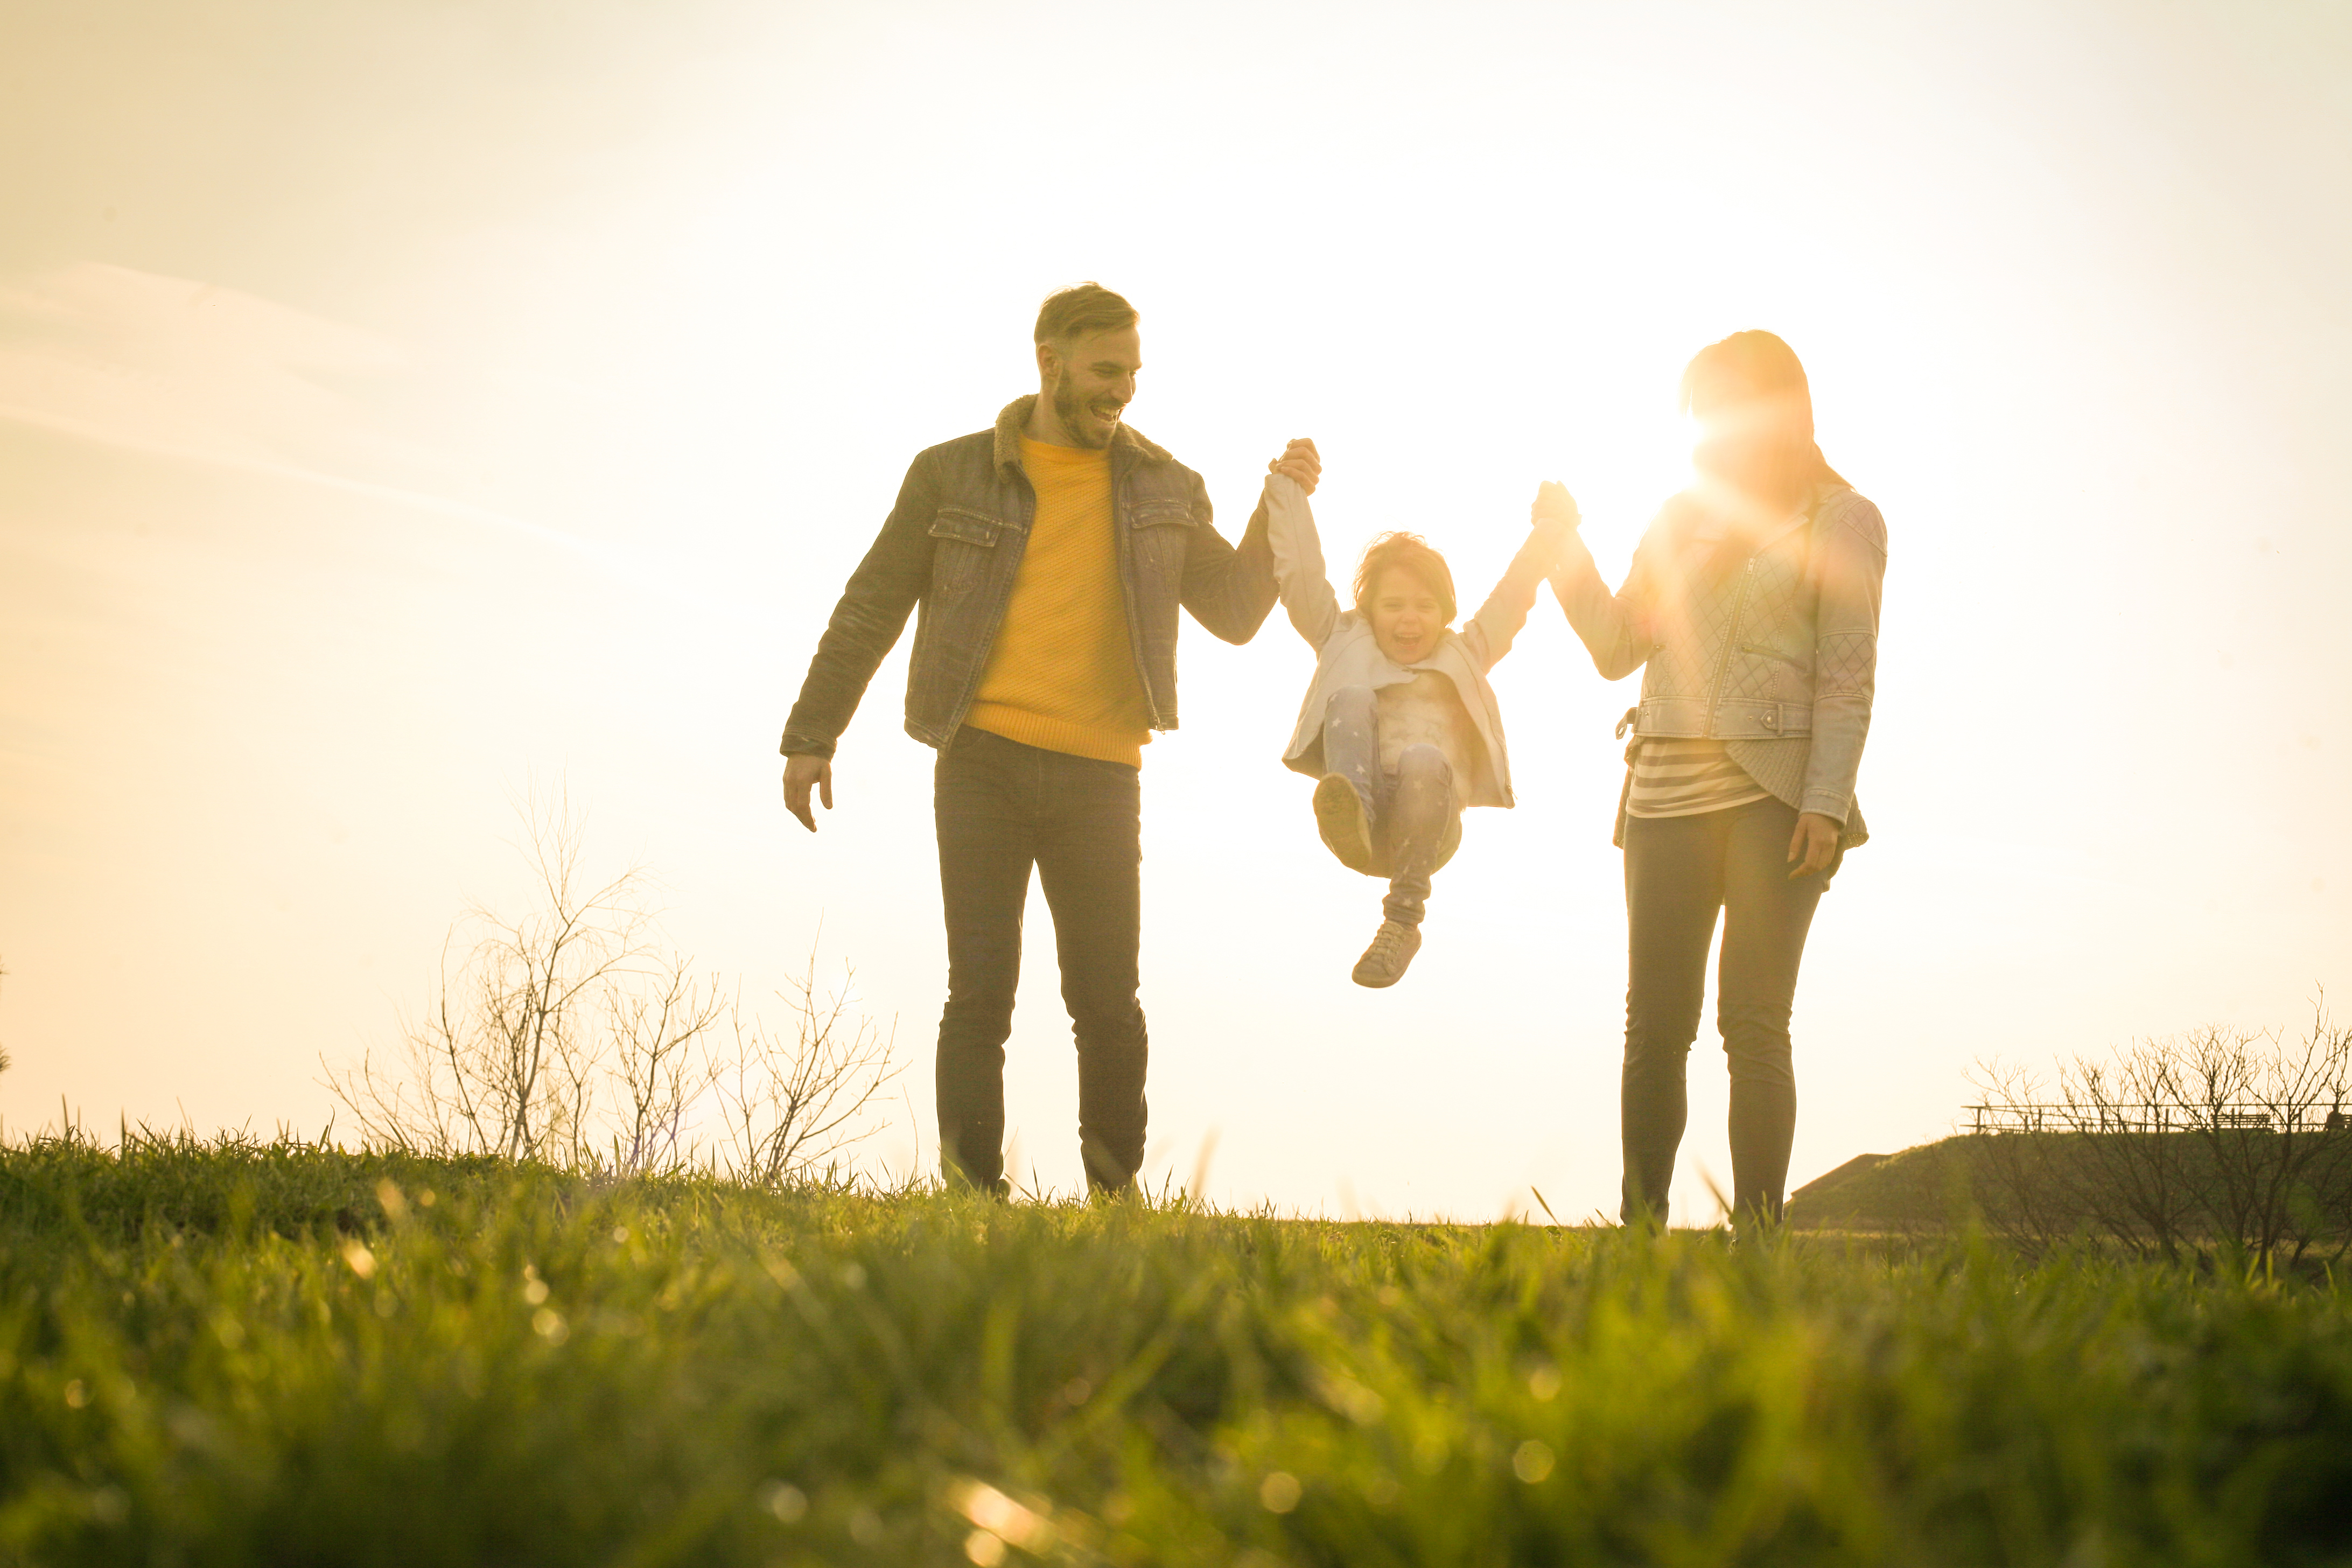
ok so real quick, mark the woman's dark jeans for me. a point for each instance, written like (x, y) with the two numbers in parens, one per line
(1002, 808)
(1679, 870)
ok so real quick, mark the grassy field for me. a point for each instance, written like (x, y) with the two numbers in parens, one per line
(290, 1355)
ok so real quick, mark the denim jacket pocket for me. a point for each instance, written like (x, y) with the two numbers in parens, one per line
(1162, 536)
(971, 527)
(963, 550)
(1155, 513)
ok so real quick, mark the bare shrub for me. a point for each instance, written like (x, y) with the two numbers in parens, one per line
(574, 1035)
(2219, 1139)
(2026, 1191)
(790, 1102)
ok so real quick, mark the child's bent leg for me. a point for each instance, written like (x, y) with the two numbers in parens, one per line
(1346, 798)
(1420, 818)
(1351, 740)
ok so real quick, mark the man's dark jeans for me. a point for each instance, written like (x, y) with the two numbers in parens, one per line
(1002, 808)
(1679, 870)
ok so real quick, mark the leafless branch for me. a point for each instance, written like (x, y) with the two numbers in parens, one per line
(572, 1035)
(2216, 1139)
(790, 1102)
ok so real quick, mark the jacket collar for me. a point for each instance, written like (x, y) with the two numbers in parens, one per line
(1825, 495)
(1687, 516)
(1015, 414)
(1789, 524)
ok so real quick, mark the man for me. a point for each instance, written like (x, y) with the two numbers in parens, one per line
(1049, 556)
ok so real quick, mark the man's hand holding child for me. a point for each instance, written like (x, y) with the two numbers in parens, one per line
(1301, 462)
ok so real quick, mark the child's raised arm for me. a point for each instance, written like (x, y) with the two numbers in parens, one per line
(1497, 625)
(1298, 571)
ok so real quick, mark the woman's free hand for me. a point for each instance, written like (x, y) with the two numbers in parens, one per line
(1813, 846)
(1301, 462)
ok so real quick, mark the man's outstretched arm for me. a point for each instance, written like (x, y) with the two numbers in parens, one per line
(1229, 590)
(873, 611)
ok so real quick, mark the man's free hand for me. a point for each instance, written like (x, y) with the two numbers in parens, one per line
(799, 773)
(1301, 461)
(1813, 846)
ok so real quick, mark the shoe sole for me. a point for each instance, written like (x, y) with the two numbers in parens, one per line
(1340, 819)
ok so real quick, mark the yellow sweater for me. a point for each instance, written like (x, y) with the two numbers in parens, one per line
(1062, 675)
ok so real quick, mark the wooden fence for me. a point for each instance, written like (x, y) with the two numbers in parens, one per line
(2061, 1117)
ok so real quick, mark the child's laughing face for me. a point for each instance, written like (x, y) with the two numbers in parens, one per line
(1407, 618)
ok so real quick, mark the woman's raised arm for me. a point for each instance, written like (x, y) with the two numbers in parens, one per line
(1615, 627)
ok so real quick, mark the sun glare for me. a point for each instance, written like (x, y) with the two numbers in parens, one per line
(562, 462)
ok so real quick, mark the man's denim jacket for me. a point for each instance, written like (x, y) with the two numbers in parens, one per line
(953, 545)
(1778, 657)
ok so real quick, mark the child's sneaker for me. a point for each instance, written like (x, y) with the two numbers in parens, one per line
(1339, 817)
(1385, 961)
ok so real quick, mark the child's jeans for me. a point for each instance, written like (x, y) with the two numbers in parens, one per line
(1415, 823)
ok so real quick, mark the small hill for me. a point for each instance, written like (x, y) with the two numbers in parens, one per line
(2253, 1188)
(1916, 1189)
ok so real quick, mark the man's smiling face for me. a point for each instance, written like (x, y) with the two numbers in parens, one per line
(1089, 381)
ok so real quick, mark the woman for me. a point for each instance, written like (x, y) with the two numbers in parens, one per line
(1753, 603)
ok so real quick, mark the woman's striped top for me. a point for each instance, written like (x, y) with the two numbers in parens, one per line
(1684, 778)
(1675, 777)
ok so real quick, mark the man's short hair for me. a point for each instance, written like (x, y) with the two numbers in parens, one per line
(1081, 310)
(1411, 553)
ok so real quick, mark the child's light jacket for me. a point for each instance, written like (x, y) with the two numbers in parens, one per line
(1346, 655)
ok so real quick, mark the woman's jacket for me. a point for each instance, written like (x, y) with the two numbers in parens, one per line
(1775, 655)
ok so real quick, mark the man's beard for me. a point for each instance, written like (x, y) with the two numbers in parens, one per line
(1072, 411)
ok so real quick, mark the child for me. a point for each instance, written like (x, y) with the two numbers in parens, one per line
(1400, 729)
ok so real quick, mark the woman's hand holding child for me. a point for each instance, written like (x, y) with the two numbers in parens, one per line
(1554, 507)
(1551, 519)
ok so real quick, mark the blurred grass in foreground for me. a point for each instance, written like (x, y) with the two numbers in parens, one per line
(241, 1354)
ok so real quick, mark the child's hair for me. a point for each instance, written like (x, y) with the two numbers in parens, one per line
(1410, 552)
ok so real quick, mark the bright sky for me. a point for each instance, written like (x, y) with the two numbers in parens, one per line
(399, 402)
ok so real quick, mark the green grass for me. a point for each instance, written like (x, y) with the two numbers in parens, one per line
(235, 1355)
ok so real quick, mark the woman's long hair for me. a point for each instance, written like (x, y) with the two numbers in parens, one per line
(1756, 376)
(1759, 370)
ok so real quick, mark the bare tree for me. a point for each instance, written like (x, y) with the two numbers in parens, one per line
(660, 1060)
(2103, 1156)
(788, 1103)
(573, 1035)
(2219, 1137)
(2025, 1188)
(2271, 1113)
